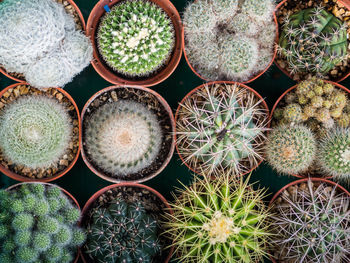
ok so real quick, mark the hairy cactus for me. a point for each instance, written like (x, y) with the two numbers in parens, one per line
(122, 232)
(313, 40)
(35, 131)
(290, 150)
(222, 220)
(313, 224)
(38, 223)
(136, 38)
(123, 137)
(219, 128)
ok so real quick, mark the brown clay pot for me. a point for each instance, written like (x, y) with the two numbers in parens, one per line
(93, 198)
(166, 161)
(107, 73)
(209, 84)
(21, 178)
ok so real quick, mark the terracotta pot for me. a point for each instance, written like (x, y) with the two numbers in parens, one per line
(166, 161)
(107, 73)
(93, 198)
(21, 178)
(244, 82)
(76, 8)
(209, 84)
(346, 3)
(300, 181)
(12, 187)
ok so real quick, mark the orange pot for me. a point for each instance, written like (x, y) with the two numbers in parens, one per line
(92, 25)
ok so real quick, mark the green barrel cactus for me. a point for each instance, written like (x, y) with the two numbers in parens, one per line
(122, 232)
(313, 41)
(136, 38)
(222, 220)
(38, 223)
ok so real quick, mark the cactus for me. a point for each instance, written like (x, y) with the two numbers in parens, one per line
(313, 41)
(40, 225)
(312, 224)
(220, 127)
(122, 232)
(136, 38)
(259, 10)
(290, 150)
(292, 113)
(222, 220)
(35, 131)
(123, 137)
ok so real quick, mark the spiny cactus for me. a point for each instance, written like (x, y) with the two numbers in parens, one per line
(313, 223)
(122, 232)
(136, 38)
(222, 220)
(290, 150)
(313, 41)
(260, 10)
(35, 131)
(221, 128)
(123, 137)
(38, 223)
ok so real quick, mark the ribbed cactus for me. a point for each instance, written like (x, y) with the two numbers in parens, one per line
(38, 223)
(122, 137)
(122, 232)
(312, 222)
(221, 128)
(290, 149)
(313, 41)
(136, 38)
(222, 220)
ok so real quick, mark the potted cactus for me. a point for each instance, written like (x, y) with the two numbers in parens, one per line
(123, 224)
(39, 133)
(135, 42)
(313, 39)
(220, 128)
(312, 222)
(228, 40)
(127, 134)
(39, 223)
(42, 42)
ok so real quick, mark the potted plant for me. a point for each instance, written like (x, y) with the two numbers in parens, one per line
(39, 223)
(39, 133)
(123, 223)
(220, 128)
(135, 42)
(311, 218)
(42, 42)
(313, 39)
(127, 134)
(228, 40)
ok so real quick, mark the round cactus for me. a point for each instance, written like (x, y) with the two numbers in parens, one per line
(260, 10)
(292, 113)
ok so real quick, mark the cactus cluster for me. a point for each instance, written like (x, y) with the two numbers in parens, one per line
(221, 128)
(222, 40)
(313, 41)
(136, 38)
(38, 223)
(222, 220)
(39, 40)
(122, 137)
(312, 224)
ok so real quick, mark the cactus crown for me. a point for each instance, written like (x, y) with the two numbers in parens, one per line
(313, 40)
(222, 220)
(38, 224)
(136, 38)
(312, 224)
(122, 232)
(220, 126)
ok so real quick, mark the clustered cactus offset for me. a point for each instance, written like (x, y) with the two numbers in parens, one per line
(136, 38)
(38, 223)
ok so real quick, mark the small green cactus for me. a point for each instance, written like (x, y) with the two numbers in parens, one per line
(292, 113)
(136, 38)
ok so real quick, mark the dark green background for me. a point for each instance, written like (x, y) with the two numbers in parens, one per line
(82, 183)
